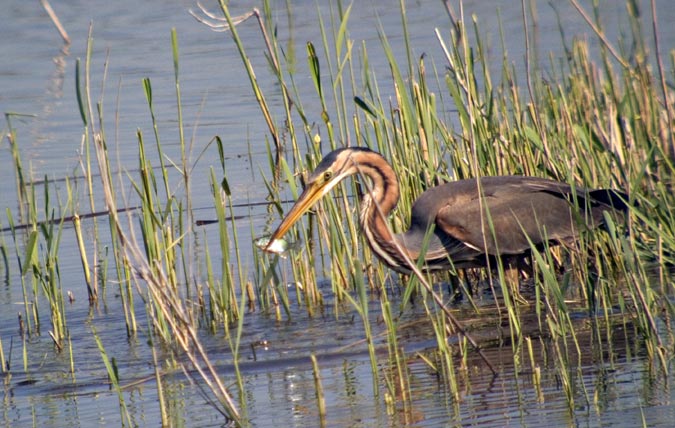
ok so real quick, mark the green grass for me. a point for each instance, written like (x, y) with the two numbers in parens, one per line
(598, 124)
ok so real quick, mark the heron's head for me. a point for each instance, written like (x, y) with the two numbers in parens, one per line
(333, 168)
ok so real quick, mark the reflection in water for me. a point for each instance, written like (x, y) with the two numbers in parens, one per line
(55, 87)
(612, 383)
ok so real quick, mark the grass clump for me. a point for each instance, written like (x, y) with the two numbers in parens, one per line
(595, 122)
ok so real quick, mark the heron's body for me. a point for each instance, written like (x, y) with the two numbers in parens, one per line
(460, 223)
(517, 212)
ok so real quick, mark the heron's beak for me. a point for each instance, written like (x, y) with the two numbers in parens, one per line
(307, 199)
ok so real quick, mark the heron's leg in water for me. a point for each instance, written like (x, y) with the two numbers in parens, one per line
(513, 265)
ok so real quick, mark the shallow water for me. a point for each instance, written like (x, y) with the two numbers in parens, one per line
(37, 79)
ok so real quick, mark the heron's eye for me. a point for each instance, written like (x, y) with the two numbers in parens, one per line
(327, 176)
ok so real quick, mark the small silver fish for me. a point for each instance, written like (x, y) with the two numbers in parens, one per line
(279, 246)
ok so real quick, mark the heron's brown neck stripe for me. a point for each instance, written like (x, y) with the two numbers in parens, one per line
(381, 197)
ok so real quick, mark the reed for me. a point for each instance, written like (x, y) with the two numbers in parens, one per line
(588, 122)
(234, 340)
(113, 378)
(91, 134)
(158, 264)
(41, 264)
(92, 290)
(225, 292)
(17, 165)
(5, 258)
(596, 124)
(320, 396)
(361, 303)
(4, 366)
(31, 321)
(160, 389)
(397, 374)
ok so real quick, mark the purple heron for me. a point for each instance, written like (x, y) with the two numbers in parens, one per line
(473, 220)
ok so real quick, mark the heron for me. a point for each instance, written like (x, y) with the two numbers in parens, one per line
(459, 224)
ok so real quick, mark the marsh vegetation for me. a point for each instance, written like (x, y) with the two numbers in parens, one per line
(206, 302)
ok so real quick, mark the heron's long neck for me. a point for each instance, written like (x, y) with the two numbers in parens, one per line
(380, 198)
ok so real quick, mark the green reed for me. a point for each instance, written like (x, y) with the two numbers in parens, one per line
(31, 320)
(362, 306)
(113, 376)
(95, 270)
(320, 396)
(25, 235)
(223, 291)
(93, 133)
(588, 123)
(40, 262)
(5, 258)
(397, 375)
(92, 289)
(596, 124)
(159, 264)
(17, 165)
(161, 400)
(564, 127)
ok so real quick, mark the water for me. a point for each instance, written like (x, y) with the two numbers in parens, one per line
(37, 79)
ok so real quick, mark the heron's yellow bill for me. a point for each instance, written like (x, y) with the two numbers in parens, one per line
(307, 199)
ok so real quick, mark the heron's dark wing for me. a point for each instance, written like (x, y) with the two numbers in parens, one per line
(510, 210)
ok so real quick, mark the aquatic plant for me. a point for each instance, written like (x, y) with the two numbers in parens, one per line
(602, 122)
